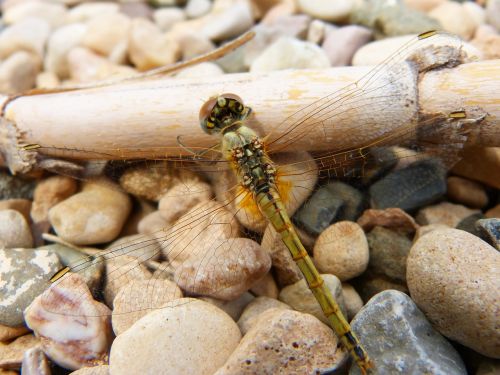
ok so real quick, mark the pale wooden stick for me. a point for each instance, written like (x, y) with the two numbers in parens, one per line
(144, 118)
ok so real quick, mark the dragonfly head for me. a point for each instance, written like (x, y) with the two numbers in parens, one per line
(222, 111)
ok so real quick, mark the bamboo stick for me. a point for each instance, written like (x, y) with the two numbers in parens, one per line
(145, 118)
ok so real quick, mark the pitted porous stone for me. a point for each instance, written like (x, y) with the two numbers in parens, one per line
(24, 274)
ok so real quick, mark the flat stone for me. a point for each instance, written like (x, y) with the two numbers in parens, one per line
(400, 340)
(24, 274)
(457, 288)
(388, 253)
(285, 339)
(342, 250)
(195, 336)
(417, 185)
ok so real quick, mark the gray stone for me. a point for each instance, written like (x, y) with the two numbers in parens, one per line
(388, 252)
(12, 187)
(417, 185)
(400, 340)
(468, 224)
(490, 229)
(24, 274)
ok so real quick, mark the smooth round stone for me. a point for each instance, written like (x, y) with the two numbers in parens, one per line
(457, 288)
(61, 41)
(444, 213)
(369, 285)
(138, 298)
(86, 11)
(388, 253)
(467, 192)
(104, 32)
(400, 340)
(193, 45)
(266, 286)
(255, 308)
(285, 339)
(11, 354)
(232, 308)
(86, 66)
(165, 18)
(423, 5)
(12, 187)
(342, 250)
(454, 18)
(197, 8)
(28, 35)
(227, 19)
(149, 48)
(94, 370)
(205, 69)
(18, 72)
(492, 13)
(14, 230)
(47, 80)
(352, 300)
(94, 215)
(143, 247)
(24, 274)
(35, 362)
(393, 218)
(23, 206)
(290, 53)
(480, 164)
(154, 224)
(75, 329)
(208, 275)
(195, 336)
(333, 11)
(53, 13)
(487, 40)
(475, 12)
(300, 297)
(341, 44)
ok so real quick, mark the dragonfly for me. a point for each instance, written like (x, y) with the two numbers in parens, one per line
(255, 192)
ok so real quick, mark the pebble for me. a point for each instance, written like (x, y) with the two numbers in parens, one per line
(14, 230)
(417, 185)
(446, 213)
(232, 308)
(35, 362)
(23, 206)
(369, 285)
(104, 32)
(468, 224)
(102, 211)
(153, 223)
(297, 170)
(193, 45)
(195, 336)
(149, 48)
(11, 354)
(183, 196)
(352, 300)
(467, 192)
(29, 35)
(266, 286)
(53, 13)
(284, 267)
(61, 41)
(316, 33)
(12, 187)
(18, 72)
(333, 202)
(283, 8)
(333, 11)
(457, 288)
(454, 18)
(341, 44)
(136, 9)
(487, 40)
(138, 298)
(255, 308)
(120, 270)
(197, 8)
(165, 18)
(475, 13)
(400, 340)
(47, 80)
(94, 370)
(10, 333)
(290, 53)
(393, 218)
(375, 52)
(75, 330)
(490, 228)
(24, 274)
(86, 66)
(492, 13)
(388, 253)
(207, 275)
(227, 19)
(49, 192)
(480, 164)
(423, 5)
(493, 212)
(342, 250)
(86, 11)
(285, 339)
(300, 297)
(424, 229)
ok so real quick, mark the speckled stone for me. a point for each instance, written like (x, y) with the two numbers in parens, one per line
(253, 310)
(24, 274)
(457, 288)
(400, 340)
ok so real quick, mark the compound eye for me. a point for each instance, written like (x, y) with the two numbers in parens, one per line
(206, 109)
(232, 96)
(221, 101)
